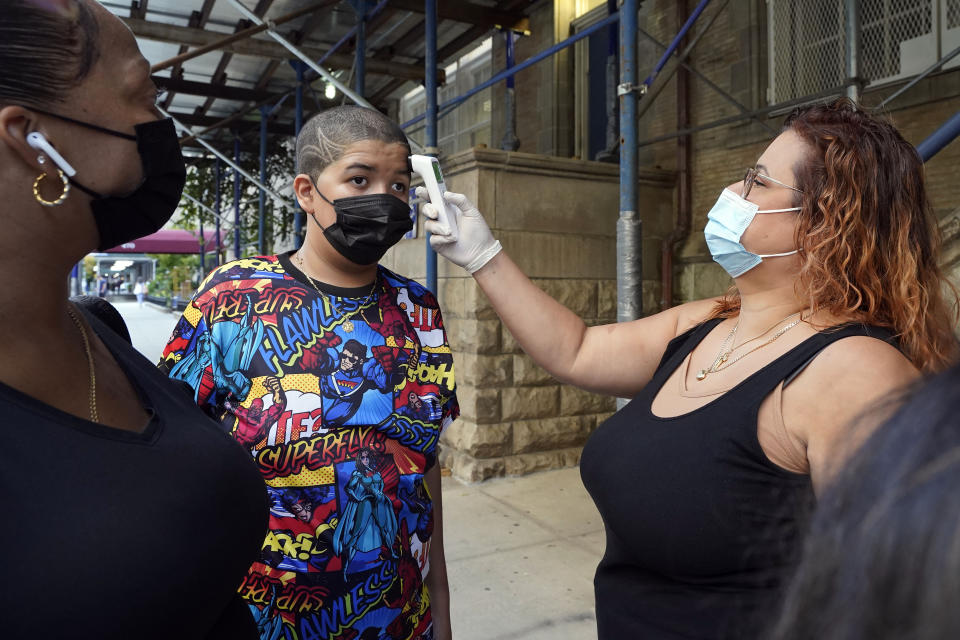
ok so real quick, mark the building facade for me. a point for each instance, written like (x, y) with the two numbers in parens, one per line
(749, 63)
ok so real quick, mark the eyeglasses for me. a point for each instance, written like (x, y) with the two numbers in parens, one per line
(346, 355)
(751, 176)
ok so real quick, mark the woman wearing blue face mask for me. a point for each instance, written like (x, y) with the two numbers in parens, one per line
(121, 509)
(741, 403)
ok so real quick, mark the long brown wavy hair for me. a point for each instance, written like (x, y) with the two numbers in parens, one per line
(866, 233)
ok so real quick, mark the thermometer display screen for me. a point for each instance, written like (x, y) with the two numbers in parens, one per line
(436, 171)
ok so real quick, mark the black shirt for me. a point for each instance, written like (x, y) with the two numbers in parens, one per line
(701, 526)
(114, 534)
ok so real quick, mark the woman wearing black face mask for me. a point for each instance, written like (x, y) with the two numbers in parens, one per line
(309, 358)
(121, 499)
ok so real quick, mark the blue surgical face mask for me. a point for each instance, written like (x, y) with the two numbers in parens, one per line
(726, 222)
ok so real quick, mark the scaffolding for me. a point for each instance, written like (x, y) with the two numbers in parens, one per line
(414, 38)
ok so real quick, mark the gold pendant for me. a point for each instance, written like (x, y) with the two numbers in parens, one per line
(701, 374)
(347, 326)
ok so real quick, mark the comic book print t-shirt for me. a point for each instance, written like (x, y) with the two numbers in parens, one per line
(340, 399)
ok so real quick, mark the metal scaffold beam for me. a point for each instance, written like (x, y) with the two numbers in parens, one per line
(230, 163)
(430, 63)
(263, 49)
(629, 229)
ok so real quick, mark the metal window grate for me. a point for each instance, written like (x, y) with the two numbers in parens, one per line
(806, 47)
(885, 26)
(469, 124)
(808, 41)
(953, 14)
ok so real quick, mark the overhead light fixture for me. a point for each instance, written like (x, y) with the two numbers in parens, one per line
(330, 92)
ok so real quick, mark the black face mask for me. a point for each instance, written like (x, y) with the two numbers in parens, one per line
(147, 208)
(367, 225)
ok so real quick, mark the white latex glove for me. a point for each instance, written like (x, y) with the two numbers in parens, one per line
(475, 245)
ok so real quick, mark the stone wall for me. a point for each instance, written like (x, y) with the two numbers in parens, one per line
(556, 218)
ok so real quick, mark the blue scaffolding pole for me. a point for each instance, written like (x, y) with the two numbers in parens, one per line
(216, 207)
(629, 231)
(298, 124)
(75, 288)
(448, 106)
(510, 141)
(203, 243)
(261, 225)
(360, 54)
(673, 45)
(430, 62)
(940, 138)
(432, 113)
(236, 199)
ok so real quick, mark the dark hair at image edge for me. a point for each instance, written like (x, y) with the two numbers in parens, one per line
(45, 52)
(882, 557)
(325, 136)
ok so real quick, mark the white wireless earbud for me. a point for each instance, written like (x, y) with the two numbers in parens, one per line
(36, 140)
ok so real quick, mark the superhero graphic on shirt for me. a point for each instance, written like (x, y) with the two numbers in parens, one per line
(348, 374)
(340, 400)
(252, 423)
(218, 361)
(368, 522)
(419, 407)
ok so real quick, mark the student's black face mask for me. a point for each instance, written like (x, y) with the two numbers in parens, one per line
(366, 225)
(147, 208)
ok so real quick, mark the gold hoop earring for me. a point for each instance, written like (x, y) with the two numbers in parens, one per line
(63, 194)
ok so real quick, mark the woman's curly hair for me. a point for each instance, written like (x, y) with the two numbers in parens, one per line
(866, 232)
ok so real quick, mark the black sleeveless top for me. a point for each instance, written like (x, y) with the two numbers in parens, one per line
(114, 534)
(701, 526)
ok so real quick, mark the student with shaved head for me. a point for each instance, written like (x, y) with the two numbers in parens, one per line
(343, 342)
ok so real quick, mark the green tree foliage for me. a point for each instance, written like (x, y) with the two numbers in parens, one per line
(89, 262)
(201, 184)
(180, 275)
(175, 274)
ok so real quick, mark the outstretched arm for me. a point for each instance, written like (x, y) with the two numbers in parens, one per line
(615, 359)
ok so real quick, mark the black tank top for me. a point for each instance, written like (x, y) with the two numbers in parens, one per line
(114, 534)
(700, 524)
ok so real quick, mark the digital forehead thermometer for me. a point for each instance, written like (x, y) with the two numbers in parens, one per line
(428, 169)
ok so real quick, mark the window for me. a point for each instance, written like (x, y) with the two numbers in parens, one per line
(469, 124)
(590, 68)
(898, 39)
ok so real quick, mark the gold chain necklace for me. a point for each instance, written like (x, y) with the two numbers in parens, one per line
(764, 332)
(93, 372)
(347, 324)
(724, 356)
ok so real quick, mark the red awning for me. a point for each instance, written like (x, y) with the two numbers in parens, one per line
(169, 241)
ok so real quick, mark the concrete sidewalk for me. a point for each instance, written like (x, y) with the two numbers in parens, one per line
(150, 327)
(521, 552)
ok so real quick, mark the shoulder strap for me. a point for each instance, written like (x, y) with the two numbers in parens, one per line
(788, 366)
(879, 333)
(681, 346)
